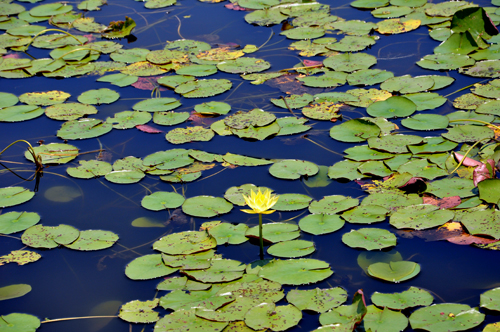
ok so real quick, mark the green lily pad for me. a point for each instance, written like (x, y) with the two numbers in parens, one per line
(44, 98)
(139, 311)
(291, 125)
(426, 122)
(234, 311)
(469, 101)
(365, 214)
(20, 113)
(162, 200)
(255, 117)
(19, 322)
(345, 169)
(258, 4)
(131, 55)
(368, 76)
(196, 261)
(352, 43)
(426, 100)
(369, 4)
(240, 160)
(291, 249)
(354, 27)
(332, 204)
(323, 111)
(275, 232)
(292, 202)
(410, 298)
(455, 117)
(120, 79)
(54, 153)
(243, 65)
(482, 223)
(468, 133)
(369, 238)
(433, 145)
(451, 187)
(422, 168)
(197, 70)
(11, 196)
(394, 143)
(13, 222)
(391, 11)
(275, 318)
(392, 199)
(89, 169)
(228, 233)
(7, 99)
(293, 169)
(220, 270)
(213, 107)
(83, 128)
(384, 320)
(490, 299)
(179, 320)
(364, 153)
(206, 206)
(170, 118)
(446, 316)
(93, 240)
(129, 119)
(50, 9)
(374, 168)
(349, 62)
(304, 33)
(257, 133)
(318, 224)
(125, 176)
(265, 17)
(393, 107)
(318, 300)
(420, 217)
(296, 272)
(14, 291)
(355, 130)
(394, 271)
(408, 84)
(190, 134)
(488, 190)
(48, 237)
(203, 88)
(98, 97)
(446, 61)
(147, 267)
(69, 111)
(170, 159)
(293, 101)
(327, 80)
(185, 243)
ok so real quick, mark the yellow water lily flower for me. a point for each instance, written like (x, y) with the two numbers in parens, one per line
(260, 202)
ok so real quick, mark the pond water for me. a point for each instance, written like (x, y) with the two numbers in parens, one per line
(71, 283)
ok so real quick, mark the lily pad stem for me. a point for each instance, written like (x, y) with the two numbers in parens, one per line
(286, 104)
(261, 238)
(474, 120)
(74, 318)
(36, 159)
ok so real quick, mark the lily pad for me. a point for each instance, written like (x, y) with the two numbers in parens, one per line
(44, 98)
(190, 134)
(206, 206)
(333, 204)
(304, 33)
(318, 300)
(14, 291)
(291, 125)
(292, 202)
(19, 322)
(292, 249)
(394, 143)
(235, 194)
(368, 76)
(355, 130)
(446, 317)
(203, 88)
(275, 232)
(397, 25)
(147, 267)
(393, 107)
(54, 153)
(162, 200)
(11, 196)
(346, 316)
(296, 272)
(426, 122)
(170, 118)
(369, 238)
(98, 97)
(13, 222)
(178, 320)
(468, 133)
(349, 62)
(169, 159)
(293, 101)
(318, 224)
(185, 243)
(243, 65)
(364, 153)
(410, 298)
(293, 169)
(482, 223)
(420, 217)
(20, 113)
(93, 240)
(220, 270)
(275, 318)
(228, 233)
(365, 214)
(213, 107)
(120, 79)
(490, 299)
(384, 320)
(345, 169)
(125, 176)
(48, 237)
(89, 169)
(69, 111)
(83, 128)
(394, 271)
(139, 311)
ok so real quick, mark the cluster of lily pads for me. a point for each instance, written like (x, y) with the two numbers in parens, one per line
(218, 294)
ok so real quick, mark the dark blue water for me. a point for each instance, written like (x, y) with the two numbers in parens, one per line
(69, 283)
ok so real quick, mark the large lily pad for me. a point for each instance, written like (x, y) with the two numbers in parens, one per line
(468, 133)
(384, 320)
(275, 318)
(349, 62)
(318, 224)
(93, 240)
(420, 217)
(410, 298)
(483, 223)
(292, 249)
(190, 134)
(48, 237)
(98, 97)
(490, 299)
(220, 270)
(180, 319)
(369, 238)
(275, 232)
(54, 153)
(162, 200)
(293, 169)
(228, 233)
(169, 159)
(446, 317)
(394, 271)
(243, 65)
(206, 206)
(292, 202)
(365, 214)
(451, 187)
(333, 204)
(318, 300)
(157, 105)
(19, 323)
(296, 272)
(139, 311)
(89, 169)
(393, 107)
(203, 88)
(355, 130)
(12, 222)
(185, 243)
(11, 196)
(84, 128)
(346, 317)
(44, 98)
